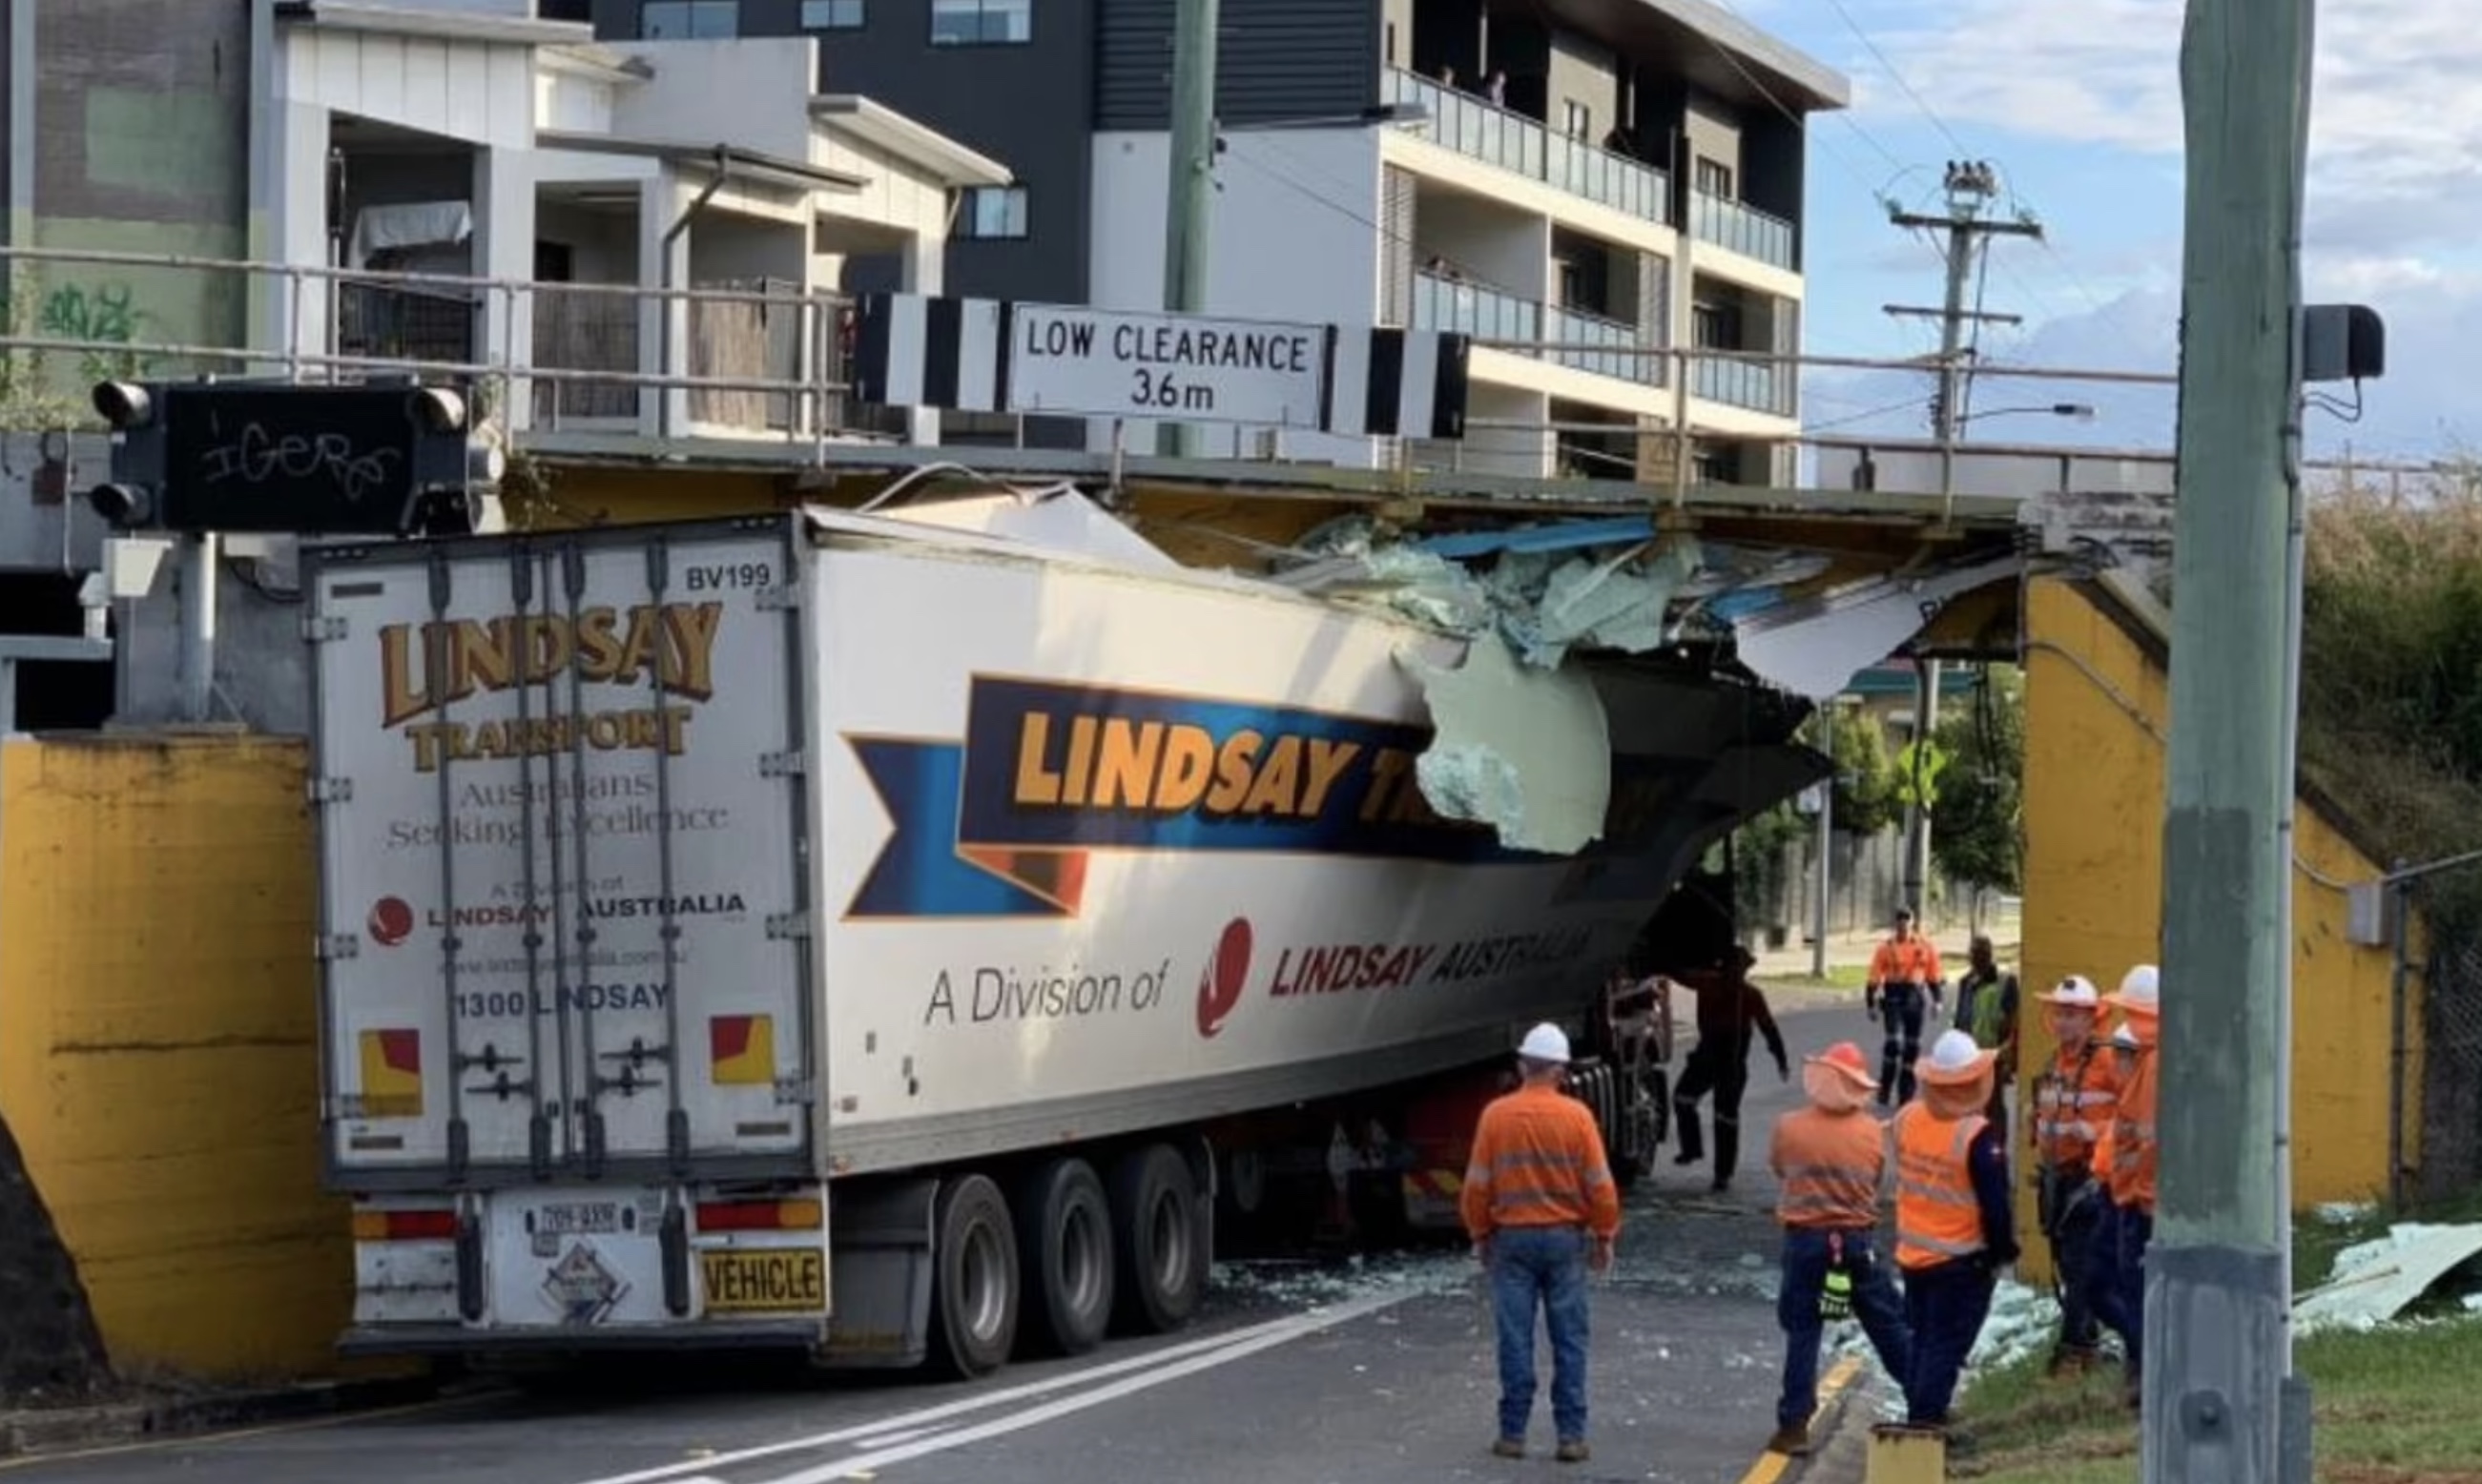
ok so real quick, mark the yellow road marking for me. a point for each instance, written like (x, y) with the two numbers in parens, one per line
(233, 1435)
(1770, 1466)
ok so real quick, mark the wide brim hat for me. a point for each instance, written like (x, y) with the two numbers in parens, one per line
(2074, 993)
(1954, 1061)
(2140, 992)
(1846, 1060)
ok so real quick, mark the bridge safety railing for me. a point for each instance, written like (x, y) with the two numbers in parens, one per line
(748, 359)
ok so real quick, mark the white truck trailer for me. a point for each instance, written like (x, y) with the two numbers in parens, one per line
(876, 938)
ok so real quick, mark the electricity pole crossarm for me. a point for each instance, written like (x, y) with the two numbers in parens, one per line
(1978, 316)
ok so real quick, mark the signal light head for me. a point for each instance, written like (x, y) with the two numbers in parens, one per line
(124, 404)
(438, 408)
(122, 506)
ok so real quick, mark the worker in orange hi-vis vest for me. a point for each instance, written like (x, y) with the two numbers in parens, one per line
(1955, 1229)
(2133, 1149)
(1904, 972)
(1832, 1159)
(1543, 1210)
(2074, 1098)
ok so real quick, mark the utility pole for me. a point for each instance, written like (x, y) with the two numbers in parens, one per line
(1970, 185)
(2218, 1403)
(1189, 206)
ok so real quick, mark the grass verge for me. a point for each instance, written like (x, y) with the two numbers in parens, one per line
(2393, 1406)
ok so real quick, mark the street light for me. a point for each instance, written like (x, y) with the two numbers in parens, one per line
(2083, 411)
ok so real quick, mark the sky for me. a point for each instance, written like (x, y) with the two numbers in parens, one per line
(2077, 106)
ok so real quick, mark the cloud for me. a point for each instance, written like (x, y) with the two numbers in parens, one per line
(2433, 316)
(2395, 122)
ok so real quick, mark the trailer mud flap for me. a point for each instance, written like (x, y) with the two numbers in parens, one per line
(880, 1308)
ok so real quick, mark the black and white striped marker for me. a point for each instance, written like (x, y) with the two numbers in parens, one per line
(915, 350)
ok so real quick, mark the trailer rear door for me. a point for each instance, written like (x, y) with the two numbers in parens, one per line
(560, 841)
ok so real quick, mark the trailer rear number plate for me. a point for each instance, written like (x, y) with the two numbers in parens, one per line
(748, 1280)
(584, 1218)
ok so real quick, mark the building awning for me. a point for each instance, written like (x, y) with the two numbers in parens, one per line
(909, 139)
(753, 166)
(447, 25)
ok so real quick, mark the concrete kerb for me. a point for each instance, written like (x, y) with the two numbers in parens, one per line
(51, 1430)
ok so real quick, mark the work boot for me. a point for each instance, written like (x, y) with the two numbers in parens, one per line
(1573, 1450)
(2072, 1361)
(1508, 1447)
(1792, 1442)
(1686, 1133)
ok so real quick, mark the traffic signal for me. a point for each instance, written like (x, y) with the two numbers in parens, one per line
(392, 458)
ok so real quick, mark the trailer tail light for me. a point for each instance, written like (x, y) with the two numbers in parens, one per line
(404, 1226)
(761, 1216)
(392, 1073)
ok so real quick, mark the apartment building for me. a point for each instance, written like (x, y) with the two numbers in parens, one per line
(1575, 182)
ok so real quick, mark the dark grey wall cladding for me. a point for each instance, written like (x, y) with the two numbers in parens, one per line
(1278, 59)
(1030, 107)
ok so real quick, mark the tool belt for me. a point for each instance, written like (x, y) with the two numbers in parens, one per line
(2061, 1191)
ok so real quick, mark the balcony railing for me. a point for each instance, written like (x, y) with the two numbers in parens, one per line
(1754, 385)
(1473, 127)
(1744, 229)
(1618, 357)
(1588, 342)
(1484, 313)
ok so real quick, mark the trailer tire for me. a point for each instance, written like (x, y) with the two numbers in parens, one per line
(1064, 1233)
(974, 1286)
(1160, 1239)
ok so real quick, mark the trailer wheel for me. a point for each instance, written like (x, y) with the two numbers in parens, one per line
(1063, 1233)
(974, 1290)
(1161, 1241)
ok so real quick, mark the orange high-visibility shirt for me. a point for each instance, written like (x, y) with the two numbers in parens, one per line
(2132, 1140)
(1938, 1216)
(1538, 1161)
(1915, 960)
(2074, 1102)
(1832, 1166)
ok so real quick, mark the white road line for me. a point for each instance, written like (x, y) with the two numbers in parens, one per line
(939, 1414)
(1290, 1331)
(884, 1439)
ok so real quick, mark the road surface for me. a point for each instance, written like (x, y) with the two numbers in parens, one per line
(1376, 1373)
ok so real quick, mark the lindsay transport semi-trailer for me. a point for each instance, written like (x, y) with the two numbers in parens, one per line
(893, 938)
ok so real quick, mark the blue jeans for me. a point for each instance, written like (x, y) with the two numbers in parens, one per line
(1545, 1265)
(1946, 1305)
(1875, 1303)
(2136, 1230)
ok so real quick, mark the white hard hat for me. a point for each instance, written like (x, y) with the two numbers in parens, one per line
(2123, 1038)
(1954, 1052)
(2074, 993)
(2140, 990)
(1546, 1043)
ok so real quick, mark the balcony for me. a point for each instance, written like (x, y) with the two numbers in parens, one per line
(1474, 128)
(1744, 229)
(1751, 385)
(1592, 343)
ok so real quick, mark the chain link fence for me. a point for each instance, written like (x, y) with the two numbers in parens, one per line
(2451, 1094)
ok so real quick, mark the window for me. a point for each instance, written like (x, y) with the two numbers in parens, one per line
(685, 21)
(982, 22)
(1715, 178)
(1579, 121)
(991, 213)
(832, 14)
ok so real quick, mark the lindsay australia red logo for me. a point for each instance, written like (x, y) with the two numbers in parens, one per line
(1220, 983)
(391, 921)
